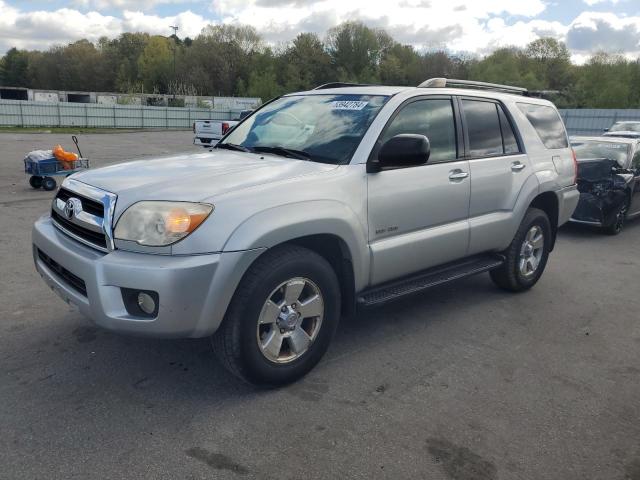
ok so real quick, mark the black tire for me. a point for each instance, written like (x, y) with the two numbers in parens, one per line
(235, 343)
(49, 184)
(509, 276)
(35, 182)
(618, 221)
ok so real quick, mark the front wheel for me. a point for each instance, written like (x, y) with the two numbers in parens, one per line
(618, 222)
(281, 319)
(526, 257)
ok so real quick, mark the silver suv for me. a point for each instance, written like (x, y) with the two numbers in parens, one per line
(317, 204)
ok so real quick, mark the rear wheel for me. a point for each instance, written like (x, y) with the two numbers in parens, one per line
(35, 182)
(618, 223)
(281, 319)
(526, 257)
(48, 183)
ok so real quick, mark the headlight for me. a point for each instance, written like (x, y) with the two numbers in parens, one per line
(159, 224)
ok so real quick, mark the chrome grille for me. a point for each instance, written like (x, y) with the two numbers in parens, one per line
(84, 213)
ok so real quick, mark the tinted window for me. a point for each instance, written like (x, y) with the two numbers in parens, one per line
(483, 127)
(432, 118)
(328, 127)
(508, 137)
(547, 123)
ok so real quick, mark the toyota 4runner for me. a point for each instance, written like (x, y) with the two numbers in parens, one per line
(316, 204)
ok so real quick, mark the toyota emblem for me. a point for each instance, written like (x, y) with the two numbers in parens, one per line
(72, 208)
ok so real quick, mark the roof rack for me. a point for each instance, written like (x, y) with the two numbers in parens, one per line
(341, 85)
(452, 82)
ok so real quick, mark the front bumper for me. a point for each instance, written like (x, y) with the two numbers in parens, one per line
(194, 291)
(599, 210)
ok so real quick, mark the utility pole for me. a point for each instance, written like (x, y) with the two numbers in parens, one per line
(175, 46)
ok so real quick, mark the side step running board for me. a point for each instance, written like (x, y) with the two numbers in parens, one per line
(429, 278)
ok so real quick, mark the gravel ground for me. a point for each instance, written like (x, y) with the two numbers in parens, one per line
(464, 382)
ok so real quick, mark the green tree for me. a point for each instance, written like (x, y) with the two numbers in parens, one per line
(155, 65)
(13, 68)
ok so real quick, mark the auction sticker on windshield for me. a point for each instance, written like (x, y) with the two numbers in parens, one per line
(348, 105)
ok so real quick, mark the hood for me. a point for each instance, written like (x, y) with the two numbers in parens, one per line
(196, 177)
(596, 169)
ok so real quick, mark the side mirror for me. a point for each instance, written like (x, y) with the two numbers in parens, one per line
(606, 129)
(404, 150)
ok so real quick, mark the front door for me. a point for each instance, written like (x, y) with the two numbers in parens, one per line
(418, 216)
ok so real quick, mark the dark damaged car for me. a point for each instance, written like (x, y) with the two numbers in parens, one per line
(608, 181)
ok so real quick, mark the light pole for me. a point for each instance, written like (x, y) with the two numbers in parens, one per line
(175, 46)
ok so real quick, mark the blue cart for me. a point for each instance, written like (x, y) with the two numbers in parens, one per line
(43, 171)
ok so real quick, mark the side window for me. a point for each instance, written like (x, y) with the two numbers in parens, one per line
(508, 137)
(547, 123)
(432, 118)
(483, 128)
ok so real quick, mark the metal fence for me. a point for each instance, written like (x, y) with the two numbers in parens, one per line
(65, 114)
(593, 121)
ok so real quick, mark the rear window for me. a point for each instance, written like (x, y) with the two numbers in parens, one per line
(488, 129)
(547, 123)
(483, 128)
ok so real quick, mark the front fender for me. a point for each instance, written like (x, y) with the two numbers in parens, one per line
(280, 224)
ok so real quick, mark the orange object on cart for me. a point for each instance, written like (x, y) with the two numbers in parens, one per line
(67, 159)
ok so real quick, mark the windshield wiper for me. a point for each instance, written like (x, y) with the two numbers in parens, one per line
(285, 152)
(233, 146)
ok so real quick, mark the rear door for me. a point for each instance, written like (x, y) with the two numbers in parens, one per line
(498, 169)
(418, 215)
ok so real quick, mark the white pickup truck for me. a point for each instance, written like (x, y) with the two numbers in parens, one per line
(207, 133)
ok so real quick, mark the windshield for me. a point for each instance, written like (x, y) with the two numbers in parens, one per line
(625, 127)
(321, 128)
(613, 151)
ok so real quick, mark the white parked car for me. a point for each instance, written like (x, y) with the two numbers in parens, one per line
(207, 133)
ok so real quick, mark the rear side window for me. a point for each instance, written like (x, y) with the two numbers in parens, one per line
(431, 118)
(508, 137)
(547, 123)
(483, 128)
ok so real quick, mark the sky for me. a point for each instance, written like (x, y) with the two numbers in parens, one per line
(476, 27)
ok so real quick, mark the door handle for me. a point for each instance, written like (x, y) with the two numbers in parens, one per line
(517, 166)
(456, 175)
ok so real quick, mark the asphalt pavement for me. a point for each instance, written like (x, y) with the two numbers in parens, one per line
(463, 382)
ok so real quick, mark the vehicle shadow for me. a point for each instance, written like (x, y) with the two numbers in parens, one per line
(579, 231)
(87, 361)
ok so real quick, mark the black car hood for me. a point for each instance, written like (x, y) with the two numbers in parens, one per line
(597, 169)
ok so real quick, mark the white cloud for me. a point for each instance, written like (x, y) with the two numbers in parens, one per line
(591, 3)
(595, 31)
(458, 25)
(124, 4)
(42, 29)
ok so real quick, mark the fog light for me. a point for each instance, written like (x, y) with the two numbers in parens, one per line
(146, 303)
